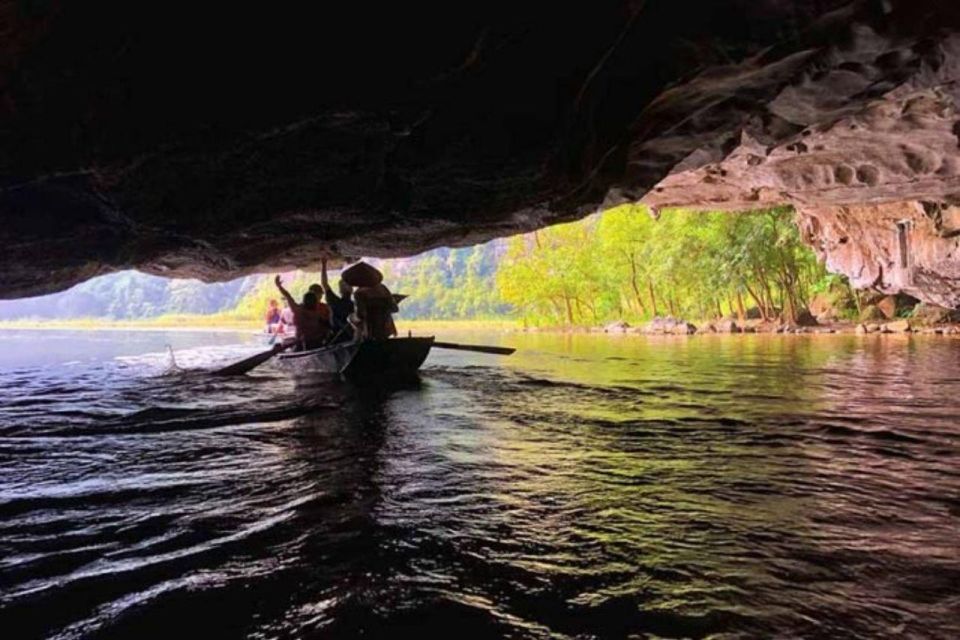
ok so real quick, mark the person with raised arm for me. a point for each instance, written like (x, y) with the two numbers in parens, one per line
(341, 306)
(311, 317)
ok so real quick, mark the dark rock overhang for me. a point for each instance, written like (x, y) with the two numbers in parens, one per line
(212, 142)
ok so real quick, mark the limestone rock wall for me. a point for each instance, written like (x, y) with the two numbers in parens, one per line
(910, 247)
(871, 164)
(207, 140)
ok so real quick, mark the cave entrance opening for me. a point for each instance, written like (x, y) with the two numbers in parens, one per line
(627, 264)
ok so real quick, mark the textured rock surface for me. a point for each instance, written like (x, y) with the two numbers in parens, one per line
(929, 315)
(895, 247)
(667, 325)
(863, 142)
(212, 142)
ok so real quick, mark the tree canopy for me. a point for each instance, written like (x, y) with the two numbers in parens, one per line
(624, 264)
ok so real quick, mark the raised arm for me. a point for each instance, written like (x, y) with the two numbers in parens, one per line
(324, 282)
(285, 293)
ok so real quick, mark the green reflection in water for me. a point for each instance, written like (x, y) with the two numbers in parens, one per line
(690, 476)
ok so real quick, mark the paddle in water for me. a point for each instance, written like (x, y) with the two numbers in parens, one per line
(239, 368)
(480, 348)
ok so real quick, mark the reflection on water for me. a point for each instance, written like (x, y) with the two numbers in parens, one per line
(588, 486)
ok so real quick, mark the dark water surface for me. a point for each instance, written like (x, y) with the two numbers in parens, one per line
(710, 487)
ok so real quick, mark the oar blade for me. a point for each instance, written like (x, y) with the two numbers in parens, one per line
(479, 348)
(239, 368)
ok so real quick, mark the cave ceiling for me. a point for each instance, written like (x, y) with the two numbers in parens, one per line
(217, 140)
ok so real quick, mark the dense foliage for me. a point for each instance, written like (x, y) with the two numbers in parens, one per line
(625, 264)
(443, 284)
(447, 284)
(129, 295)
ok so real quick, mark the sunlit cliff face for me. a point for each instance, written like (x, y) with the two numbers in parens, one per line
(209, 143)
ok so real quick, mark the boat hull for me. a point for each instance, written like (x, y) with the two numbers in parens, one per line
(358, 361)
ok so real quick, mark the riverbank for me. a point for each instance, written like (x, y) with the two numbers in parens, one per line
(221, 323)
(673, 326)
(658, 326)
(165, 323)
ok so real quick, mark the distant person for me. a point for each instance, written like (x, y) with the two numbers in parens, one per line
(311, 317)
(341, 306)
(273, 317)
(288, 323)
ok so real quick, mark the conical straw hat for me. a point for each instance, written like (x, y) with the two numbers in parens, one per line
(361, 274)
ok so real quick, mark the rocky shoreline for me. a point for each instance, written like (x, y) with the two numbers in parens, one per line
(669, 326)
(877, 314)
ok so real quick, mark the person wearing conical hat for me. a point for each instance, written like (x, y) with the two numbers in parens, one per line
(374, 303)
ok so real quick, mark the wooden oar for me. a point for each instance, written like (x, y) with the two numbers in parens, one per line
(239, 368)
(500, 351)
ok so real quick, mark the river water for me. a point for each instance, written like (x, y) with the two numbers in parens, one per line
(588, 486)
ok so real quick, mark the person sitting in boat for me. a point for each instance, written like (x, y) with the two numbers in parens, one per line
(311, 316)
(287, 321)
(273, 317)
(341, 306)
(373, 318)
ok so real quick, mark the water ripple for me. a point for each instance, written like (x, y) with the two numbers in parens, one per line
(585, 487)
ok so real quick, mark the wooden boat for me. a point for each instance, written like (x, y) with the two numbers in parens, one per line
(397, 357)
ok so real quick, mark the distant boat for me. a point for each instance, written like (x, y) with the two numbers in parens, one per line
(397, 357)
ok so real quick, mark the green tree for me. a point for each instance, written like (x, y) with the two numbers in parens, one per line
(624, 264)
